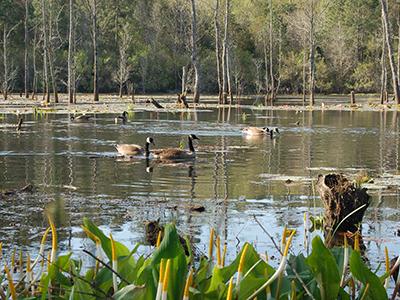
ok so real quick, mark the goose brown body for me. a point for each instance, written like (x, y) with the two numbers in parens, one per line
(135, 150)
(169, 154)
(81, 118)
(255, 131)
(129, 149)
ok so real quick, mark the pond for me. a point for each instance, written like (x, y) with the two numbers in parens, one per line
(76, 173)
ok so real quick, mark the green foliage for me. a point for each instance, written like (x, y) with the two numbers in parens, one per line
(319, 273)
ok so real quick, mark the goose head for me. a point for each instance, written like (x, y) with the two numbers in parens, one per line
(193, 137)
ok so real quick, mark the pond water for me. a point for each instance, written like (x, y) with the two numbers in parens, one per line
(76, 174)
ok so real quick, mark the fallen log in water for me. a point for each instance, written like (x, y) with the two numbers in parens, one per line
(29, 188)
(154, 102)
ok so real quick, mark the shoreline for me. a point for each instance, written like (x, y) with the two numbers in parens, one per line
(113, 104)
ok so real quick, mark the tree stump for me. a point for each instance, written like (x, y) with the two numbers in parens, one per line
(341, 198)
(352, 98)
(182, 101)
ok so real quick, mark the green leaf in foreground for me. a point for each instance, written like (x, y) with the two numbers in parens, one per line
(360, 271)
(323, 266)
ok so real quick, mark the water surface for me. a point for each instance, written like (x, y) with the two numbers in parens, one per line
(77, 174)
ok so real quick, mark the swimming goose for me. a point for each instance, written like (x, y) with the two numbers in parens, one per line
(273, 132)
(177, 153)
(123, 117)
(134, 150)
(255, 130)
(81, 118)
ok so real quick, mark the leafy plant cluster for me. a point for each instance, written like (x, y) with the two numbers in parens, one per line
(170, 273)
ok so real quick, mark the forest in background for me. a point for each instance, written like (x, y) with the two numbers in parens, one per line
(228, 47)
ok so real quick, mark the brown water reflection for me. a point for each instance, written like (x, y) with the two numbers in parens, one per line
(77, 174)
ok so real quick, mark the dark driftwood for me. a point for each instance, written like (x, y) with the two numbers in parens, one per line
(341, 198)
(29, 188)
(19, 124)
(154, 102)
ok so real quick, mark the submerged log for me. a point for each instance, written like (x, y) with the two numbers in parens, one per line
(344, 203)
(29, 188)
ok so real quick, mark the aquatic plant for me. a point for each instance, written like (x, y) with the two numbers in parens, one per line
(170, 273)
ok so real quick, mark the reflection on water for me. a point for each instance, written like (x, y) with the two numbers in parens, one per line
(77, 174)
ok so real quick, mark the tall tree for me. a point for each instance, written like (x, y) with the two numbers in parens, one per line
(194, 58)
(218, 50)
(46, 93)
(225, 65)
(271, 47)
(71, 83)
(26, 69)
(388, 37)
(312, 53)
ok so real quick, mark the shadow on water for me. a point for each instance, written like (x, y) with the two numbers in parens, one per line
(77, 174)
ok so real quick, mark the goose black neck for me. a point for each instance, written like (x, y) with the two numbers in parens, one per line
(147, 149)
(191, 148)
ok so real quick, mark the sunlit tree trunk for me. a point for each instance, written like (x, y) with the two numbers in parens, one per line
(46, 93)
(387, 33)
(228, 76)
(304, 75)
(271, 49)
(196, 96)
(224, 54)
(34, 81)
(218, 50)
(312, 56)
(266, 77)
(383, 67)
(50, 55)
(5, 64)
(70, 53)
(26, 50)
(94, 37)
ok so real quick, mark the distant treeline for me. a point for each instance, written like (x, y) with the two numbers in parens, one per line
(228, 46)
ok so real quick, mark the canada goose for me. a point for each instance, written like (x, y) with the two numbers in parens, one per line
(81, 118)
(133, 149)
(273, 132)
(177, 153)
(255, 130)
(123, 117)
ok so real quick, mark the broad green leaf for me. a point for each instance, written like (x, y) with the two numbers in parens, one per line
(323, 266)
(170, 246)
(120, 249)
(360, 271)
(131, 292)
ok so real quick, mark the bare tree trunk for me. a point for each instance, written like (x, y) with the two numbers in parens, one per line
(94, 29)
(183, 88)
(228, 77)
(387, 33)
(278, 80)
(398, 45)
(70, 53)
(266, 72)
(312, 57)
(50, 55)
(5, 76)
(224, 54)
(196, 96)
(26, 50)
(45, 55)
(383, 67)
(218, 50)
(271, 66)
(304, 75)
(34, 81)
